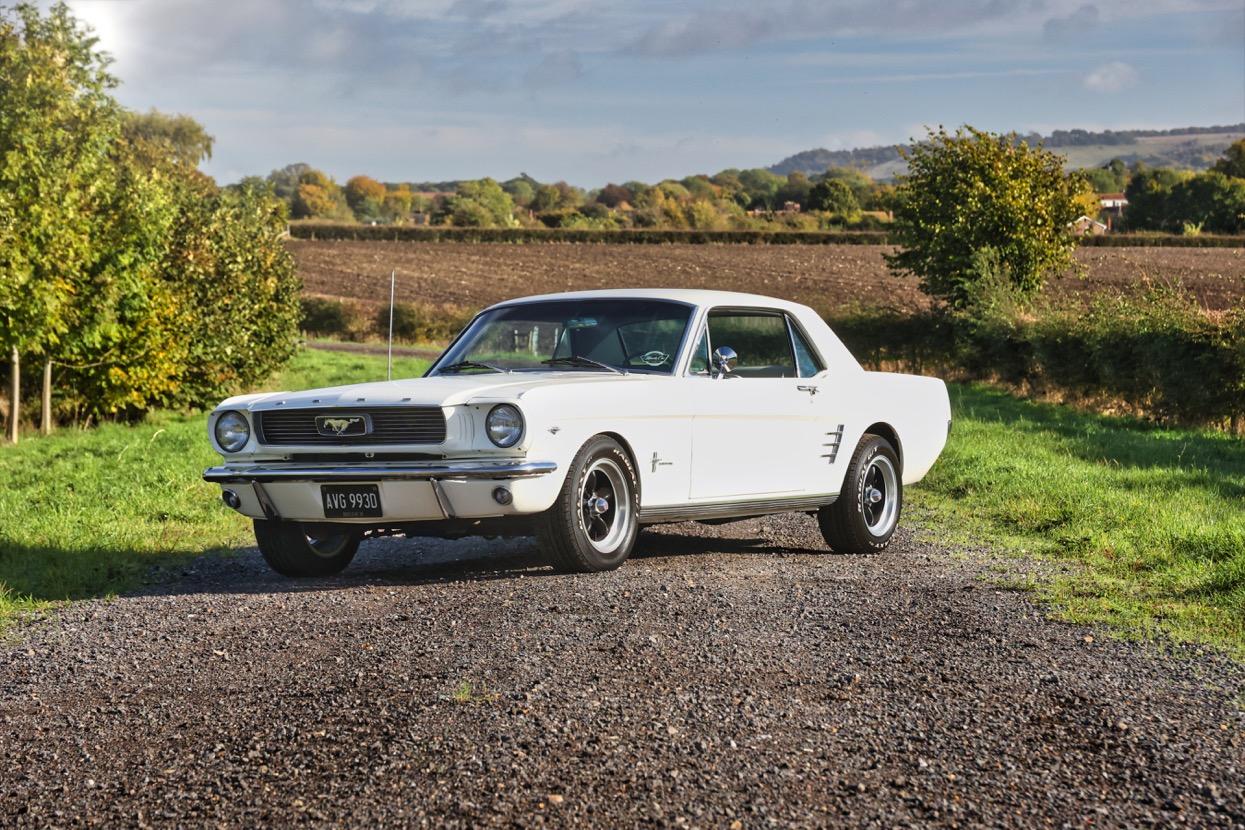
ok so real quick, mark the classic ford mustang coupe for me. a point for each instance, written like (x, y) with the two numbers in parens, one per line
(579, 418)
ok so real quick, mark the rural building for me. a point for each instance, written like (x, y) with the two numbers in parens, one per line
(1087, 226)
(1112, 203)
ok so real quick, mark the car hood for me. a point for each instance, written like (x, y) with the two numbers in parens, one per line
(432, 391)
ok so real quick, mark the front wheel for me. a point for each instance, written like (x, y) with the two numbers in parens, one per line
(298, 549)
(592, 525)
(864, 516)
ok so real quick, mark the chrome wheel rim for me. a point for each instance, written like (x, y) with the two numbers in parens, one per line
(604, 505)
(326, 545)
(879, 496)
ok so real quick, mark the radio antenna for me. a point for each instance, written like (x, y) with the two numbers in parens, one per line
(393, 275)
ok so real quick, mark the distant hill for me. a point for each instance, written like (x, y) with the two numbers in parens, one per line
(1194, 148)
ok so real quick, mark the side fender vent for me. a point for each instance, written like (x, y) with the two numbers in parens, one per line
(833, 442)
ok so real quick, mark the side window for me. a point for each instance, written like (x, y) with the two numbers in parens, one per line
(808, 361)
(699, 364)
(760, 339)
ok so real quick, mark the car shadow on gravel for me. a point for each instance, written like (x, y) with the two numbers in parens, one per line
(409, 562)
(654, 544)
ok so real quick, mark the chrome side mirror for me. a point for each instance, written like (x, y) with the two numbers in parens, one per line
(724, 360)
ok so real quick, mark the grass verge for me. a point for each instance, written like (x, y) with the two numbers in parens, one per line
(87, 513)
(1150, 521)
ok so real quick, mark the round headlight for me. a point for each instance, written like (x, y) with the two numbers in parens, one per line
(504, 425)
(232, 431)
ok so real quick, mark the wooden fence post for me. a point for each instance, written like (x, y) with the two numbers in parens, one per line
(45, 414)
(15, 392)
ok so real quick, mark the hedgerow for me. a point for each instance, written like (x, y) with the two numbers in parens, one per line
(1158, 354)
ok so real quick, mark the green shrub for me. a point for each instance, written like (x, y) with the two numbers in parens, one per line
(1159, 353)
(419, 323)
(328, 317)
(970, 190)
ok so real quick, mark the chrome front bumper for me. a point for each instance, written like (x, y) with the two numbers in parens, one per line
(364, 471)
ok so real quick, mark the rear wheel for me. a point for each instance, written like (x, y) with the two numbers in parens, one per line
(864, 517)
(592, 526)
(304, 549)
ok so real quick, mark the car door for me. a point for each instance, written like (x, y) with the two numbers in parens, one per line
(756, 430)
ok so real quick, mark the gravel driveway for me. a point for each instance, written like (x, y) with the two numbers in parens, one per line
(735, 676)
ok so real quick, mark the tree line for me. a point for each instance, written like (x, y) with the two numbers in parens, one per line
(1160, 199)
(128, 278)
(729, 200)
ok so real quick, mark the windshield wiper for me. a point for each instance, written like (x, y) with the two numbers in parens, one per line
(470, 364)
(582, 362)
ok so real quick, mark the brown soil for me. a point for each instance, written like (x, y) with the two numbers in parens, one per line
(824, 276)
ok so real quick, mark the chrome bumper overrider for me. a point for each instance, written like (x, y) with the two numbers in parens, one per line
(409, 471)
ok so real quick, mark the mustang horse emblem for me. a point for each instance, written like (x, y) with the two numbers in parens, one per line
(349, 425)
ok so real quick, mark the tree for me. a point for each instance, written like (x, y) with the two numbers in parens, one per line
(864, 189)
(521, 190)
(481, 204)
(285, 181)
(366, 197)
(795, 190)
(398, 203)
(57, 127)
(318, 197)
(1233, 161)
(1210, 201)
(833, 196)
(762, 188)
(1149, 198)
(613, 195)
(972, 190)
(178, 137)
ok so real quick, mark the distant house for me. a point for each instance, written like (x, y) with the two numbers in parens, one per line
(1112, 203)
(1087, 226)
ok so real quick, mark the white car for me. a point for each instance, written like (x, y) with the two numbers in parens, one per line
(579, 418)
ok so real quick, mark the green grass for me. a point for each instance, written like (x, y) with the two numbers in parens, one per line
(1151, 521)
(1146, 526)
(86, 513)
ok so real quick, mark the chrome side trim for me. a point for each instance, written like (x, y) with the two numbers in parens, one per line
(412, 471)
(732, 509)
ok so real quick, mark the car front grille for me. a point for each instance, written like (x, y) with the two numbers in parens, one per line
(390, 425)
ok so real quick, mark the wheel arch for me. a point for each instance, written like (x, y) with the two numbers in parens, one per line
(885, 430)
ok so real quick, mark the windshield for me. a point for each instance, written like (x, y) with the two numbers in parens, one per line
(582, 335)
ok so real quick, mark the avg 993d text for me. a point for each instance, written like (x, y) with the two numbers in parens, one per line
(579, 418)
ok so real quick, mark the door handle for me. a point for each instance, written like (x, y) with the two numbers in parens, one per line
(812, 390)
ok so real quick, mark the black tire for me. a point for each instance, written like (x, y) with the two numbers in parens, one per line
(300, 550)
(859, 521)
(578, 537)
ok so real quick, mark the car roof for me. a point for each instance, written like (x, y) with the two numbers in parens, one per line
(694, 296)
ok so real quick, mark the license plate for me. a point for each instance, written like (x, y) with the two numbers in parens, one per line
(350, 501)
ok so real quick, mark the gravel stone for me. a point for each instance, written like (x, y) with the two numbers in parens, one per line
(731, 676)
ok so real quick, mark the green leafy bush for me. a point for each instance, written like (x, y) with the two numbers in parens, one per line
(1158, 353)
(419, 323)
(971, 190)
(327, 317)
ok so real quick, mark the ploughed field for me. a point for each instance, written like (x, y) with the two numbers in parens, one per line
(828, 277)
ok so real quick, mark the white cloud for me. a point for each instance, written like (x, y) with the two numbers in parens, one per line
(1111, 77)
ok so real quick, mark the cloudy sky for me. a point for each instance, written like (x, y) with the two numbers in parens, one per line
(599, 90)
